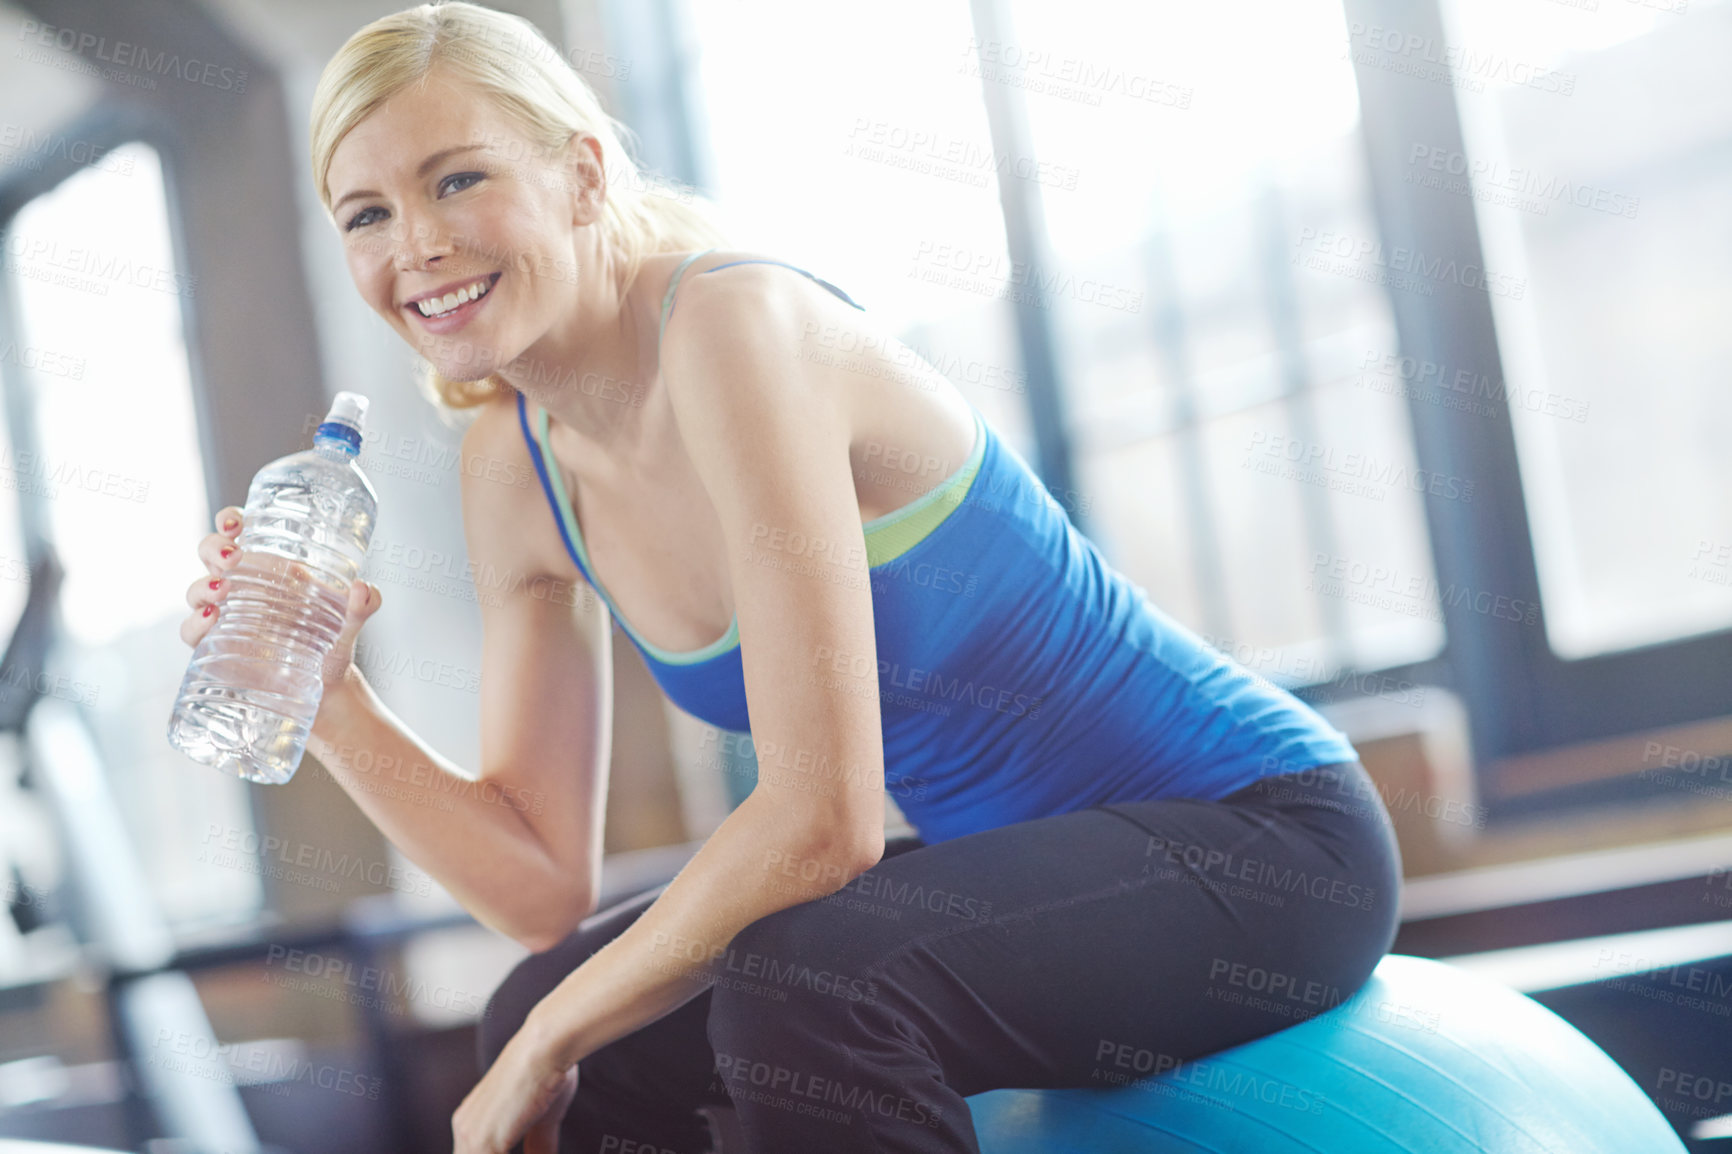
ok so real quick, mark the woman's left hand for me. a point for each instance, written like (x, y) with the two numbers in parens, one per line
(523, 1096)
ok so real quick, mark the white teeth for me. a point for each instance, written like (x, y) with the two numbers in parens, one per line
(439, 306)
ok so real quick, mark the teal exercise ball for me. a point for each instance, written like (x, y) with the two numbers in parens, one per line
(1423, 1059)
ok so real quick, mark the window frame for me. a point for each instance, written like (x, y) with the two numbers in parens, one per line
(1521, 696)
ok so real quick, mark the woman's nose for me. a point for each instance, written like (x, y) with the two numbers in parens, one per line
(417, 242)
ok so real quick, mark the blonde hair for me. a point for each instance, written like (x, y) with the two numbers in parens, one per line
(511, 62)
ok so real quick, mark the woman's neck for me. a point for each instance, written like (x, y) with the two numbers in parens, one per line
(593, 373)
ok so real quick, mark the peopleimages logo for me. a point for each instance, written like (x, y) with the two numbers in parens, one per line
(987, 272)
(1126, 1064)
(89, 270)
(1426, 57)
(725, 960)
(801, 1091)
(235, 848)
(25, 142)
(1424, 374)
(1400, 267)
(1386, 587)
(1357, 472)
(1543, 187)
(357, 982)
(930, 684)
(1067, 77)
(137, 57)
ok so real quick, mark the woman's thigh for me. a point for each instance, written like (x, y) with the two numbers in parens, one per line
(672, 1051)
(1053, 952)
(1088, 948)
(646, 1086)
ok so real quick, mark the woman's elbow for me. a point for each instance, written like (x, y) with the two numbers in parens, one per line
(869, 851)
(848, 855)
(555, 918)
(848, 845)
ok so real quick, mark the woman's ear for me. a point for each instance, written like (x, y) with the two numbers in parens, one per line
(587, 177)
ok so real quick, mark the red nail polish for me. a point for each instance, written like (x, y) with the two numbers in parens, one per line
(215, 583)
(224, 554)
(209, 609)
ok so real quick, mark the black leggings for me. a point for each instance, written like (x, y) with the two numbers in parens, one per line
(1092, 948)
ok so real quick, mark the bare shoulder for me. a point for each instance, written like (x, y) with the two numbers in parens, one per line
(506, 519)
(735, 332)
(722, 286)
(756, 345)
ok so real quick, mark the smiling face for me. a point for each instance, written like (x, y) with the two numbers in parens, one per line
(459, 230)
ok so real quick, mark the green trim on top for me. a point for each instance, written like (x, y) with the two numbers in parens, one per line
(666, 656)
(668, 297)
(890, 536)
(887, 537)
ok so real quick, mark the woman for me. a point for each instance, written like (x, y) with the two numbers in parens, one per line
(1131, 852)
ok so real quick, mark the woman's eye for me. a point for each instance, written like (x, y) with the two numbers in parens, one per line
(458, 181)
(359, 219)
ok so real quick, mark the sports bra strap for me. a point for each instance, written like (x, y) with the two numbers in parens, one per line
(673, 283)
(668, 297)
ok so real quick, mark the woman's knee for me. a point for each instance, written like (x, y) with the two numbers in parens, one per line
(1358, 910)
(799, 973)
(536, 976)
(532, 980)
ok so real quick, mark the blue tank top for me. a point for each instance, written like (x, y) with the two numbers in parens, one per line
(1020, 674)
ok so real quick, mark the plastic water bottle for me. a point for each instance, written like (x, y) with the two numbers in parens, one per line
(250, 694)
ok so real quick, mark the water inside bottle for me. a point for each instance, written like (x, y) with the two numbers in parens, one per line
(255, 682)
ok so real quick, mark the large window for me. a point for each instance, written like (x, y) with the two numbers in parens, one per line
(117, 470)
(1345, 381)
(1247, 462)
(1234, 456)
(1600, 172)
(852, 141)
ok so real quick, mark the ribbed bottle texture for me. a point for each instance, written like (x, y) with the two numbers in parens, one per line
(252, 689)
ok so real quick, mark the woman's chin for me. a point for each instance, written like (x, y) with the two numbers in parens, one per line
(466, 372)
(473, 363)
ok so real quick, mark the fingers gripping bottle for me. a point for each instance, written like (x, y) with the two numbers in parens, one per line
(250, 694)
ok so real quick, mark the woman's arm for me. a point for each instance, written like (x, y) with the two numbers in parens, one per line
(772, 449)
(520, 847)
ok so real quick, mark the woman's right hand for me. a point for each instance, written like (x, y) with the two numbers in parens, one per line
(220, 552)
